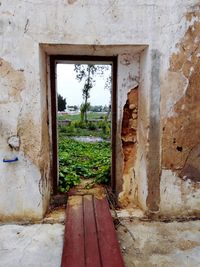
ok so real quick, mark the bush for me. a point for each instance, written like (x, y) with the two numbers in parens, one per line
(80, 124)
(92, 126)
(105, 128)
(67, 129)
(62, 128)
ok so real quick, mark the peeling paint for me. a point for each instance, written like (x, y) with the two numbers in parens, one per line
(182, 130)
(71, 2)
(180, 180)
(129, 146)
(191, 168)
(13, 83)
(73, 27)
(179, 197)
(30, 143)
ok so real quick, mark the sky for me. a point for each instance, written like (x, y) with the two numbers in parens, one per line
(71, 89)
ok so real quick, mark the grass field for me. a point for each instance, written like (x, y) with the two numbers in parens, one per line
(77, 117)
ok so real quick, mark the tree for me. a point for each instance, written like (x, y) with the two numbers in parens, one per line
(75, 107)
(96, 108)
(87, 74)
(61, 103)
(84, 108)
(108, 86)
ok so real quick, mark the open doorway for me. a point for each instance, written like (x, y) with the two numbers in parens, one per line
(83, 101)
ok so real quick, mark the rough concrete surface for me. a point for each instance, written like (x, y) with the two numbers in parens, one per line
(159, 244)
(143, 244)
(38, 245)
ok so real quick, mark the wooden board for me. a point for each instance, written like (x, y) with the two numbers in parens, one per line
(108, 243)
(73, 249)
(90, 239)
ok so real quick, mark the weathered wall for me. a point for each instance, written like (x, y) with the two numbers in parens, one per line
(180, 180)
(129, 147)
(166, 163)
(128, 80)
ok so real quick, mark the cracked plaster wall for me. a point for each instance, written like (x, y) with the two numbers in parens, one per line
(128, 80)
(165, 27)
(129, 148)
(180, 180)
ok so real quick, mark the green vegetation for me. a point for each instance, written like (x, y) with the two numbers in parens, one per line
(87, 74)
(77, 128)
(80, 160)
(61, 103)
(77, 117)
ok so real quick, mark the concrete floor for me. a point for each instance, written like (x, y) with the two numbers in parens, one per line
(144, 244)
(38, 245)
(158, 244)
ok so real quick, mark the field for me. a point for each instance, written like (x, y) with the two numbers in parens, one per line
(83, 160)
(77, 117)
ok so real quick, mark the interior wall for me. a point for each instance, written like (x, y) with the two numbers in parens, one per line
(171, 31)
(21, 183)
(180, 178)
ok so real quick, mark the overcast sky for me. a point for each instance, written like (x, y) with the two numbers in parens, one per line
(71, 89)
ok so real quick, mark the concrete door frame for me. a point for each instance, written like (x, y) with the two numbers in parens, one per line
(55, 59)
(133, 70)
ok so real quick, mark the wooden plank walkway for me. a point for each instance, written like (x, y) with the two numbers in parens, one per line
(90, 238)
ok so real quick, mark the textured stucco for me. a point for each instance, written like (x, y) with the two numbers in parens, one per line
(180, 181)
(159, 52)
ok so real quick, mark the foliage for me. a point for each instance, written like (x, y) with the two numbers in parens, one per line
(108, 84)
(87, 73)
(99, 108)
(77, 117)
(92, 126)
(79, 160)
(61, 103)
(84, 109)
(101, 128)
(73, 108)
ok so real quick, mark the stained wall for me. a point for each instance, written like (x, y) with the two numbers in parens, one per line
(163, 172)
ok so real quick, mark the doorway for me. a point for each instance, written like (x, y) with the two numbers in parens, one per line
(64, 117)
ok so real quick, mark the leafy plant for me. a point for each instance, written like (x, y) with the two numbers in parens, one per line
(80, 160)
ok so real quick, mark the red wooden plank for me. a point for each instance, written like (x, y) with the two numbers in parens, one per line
(109, 246)
(73, 250)
(92, 255)
(74, 191)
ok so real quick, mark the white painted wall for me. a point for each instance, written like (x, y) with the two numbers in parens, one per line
(24, 25)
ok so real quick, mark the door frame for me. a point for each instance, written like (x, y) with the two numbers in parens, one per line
(55, 59)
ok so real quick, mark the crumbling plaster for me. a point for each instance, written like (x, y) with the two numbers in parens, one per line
(160, 25)
(180, 125)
